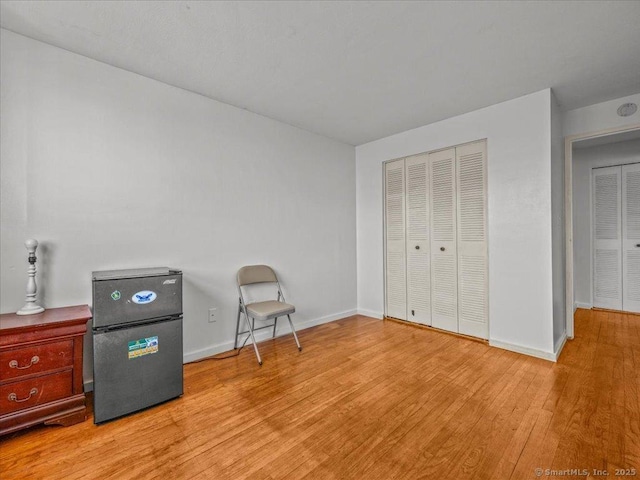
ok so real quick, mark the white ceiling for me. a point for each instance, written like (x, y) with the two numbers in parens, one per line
(355, 71)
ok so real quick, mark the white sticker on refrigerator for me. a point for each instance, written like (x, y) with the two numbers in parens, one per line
(145, 296)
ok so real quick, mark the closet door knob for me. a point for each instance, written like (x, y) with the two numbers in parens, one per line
(442, 249)
(418, 247)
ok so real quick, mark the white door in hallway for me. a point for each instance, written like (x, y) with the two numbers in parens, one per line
(607, 231)
(616, 237)
(631, 237)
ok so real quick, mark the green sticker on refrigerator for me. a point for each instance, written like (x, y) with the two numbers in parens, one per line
(144, 346)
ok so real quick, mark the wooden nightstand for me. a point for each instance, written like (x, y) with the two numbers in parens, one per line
(41, 368)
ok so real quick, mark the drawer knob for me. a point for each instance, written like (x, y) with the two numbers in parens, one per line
(14, 363)
(14, 398)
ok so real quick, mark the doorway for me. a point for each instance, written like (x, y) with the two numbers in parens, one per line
(584, 154)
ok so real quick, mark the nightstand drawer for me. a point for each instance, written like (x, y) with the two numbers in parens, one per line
(41, 368)
(35, 391)
(35, 359)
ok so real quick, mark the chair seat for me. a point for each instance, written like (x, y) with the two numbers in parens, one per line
(269, 309)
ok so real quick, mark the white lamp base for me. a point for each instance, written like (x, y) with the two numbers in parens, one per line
(30, 307)
(30, 310)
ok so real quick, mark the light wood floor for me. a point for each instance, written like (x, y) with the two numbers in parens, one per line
(370, 399)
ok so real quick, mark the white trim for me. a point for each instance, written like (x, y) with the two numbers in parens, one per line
(260, 336)
(568, 211)
(512, 347)
(265, 335)
(577, 305)
(370, 313)
(532, 352)
(560, 345)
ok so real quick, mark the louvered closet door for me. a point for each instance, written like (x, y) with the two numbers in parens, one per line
(607, 258)
(631, 237)
(444, 279)
(417, 245)
(471, 183)
(396, 283)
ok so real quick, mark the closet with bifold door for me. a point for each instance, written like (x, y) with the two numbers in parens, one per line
(435, 232)
(616, 237)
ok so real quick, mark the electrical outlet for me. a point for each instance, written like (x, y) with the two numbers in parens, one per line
(212, 314)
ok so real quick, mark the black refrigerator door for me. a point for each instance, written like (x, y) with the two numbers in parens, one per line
(136, 367)
(127, 300)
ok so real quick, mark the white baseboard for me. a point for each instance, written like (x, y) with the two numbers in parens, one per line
(533, 352)
(559, 346)
(370, 313)
(283, 329)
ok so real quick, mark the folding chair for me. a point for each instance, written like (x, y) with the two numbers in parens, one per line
(270, 309)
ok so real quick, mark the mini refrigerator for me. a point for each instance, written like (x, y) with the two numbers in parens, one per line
(137, 340)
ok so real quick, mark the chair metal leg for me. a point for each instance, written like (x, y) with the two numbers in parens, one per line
(253, 339)
(235, 344)
(275, 322)
(293, 330)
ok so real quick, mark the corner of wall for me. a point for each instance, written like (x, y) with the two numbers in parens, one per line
(558, 346)
(558, 233)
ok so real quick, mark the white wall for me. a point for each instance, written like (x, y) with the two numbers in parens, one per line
(518, 136)
(601, 116)
(584, 159)
(558, 226)
(108, 169)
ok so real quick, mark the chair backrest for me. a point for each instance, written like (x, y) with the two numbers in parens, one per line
(256, 274)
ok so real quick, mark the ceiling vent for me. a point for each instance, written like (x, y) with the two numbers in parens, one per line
(627, 109)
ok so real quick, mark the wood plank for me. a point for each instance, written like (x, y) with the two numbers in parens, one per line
(370, 399)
